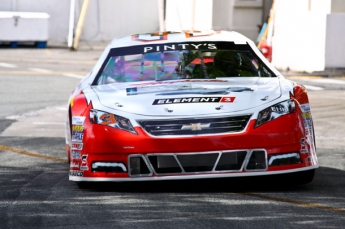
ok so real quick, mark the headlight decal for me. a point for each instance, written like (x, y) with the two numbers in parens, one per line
(108, 119)
(275, 111)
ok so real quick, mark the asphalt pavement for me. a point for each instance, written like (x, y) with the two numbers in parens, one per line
(35, 191)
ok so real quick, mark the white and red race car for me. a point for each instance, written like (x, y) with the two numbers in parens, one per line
(168, 106)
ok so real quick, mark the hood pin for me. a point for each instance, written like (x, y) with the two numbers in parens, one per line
(220, 107)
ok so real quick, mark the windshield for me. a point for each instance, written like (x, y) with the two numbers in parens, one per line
(181, 64)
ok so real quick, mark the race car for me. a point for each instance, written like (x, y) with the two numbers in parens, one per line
(187, 105)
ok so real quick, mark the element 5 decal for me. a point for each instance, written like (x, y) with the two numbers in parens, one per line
(226, 99)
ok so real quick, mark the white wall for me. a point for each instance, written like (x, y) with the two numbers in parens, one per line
(299, 34)
(108, 18)
(338, 6)
(242, 16)
(105, 19)
(188, 15)
(335, 41)
(222, 14)
(247, 17)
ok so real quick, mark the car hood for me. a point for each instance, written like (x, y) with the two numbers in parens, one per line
(185, 97)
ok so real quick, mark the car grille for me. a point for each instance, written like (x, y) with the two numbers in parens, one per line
(191, 163)
(195, 126)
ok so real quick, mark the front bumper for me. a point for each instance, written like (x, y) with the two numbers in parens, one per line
(278, 141)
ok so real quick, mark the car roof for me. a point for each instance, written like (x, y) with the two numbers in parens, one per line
(183, 36)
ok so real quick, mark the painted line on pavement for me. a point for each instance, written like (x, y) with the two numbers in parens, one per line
(73, 75)
(294, 202)
(31, 154)
(313, 88)
(299, 203)
(337, 138)
(81, 74)
(319, 79)
(6, 65)
(304, 77)
(331, 81)
(39, 70)
(49, 123)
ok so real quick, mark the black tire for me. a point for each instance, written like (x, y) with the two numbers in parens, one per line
(302, 178)
(84, 184)
(69, 159)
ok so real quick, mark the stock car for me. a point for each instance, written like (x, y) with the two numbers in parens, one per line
(187, 105)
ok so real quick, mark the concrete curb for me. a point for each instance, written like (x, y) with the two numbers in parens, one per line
(334, 73)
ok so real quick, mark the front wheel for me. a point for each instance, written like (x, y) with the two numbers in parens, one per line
(84, 184)
(302, 178)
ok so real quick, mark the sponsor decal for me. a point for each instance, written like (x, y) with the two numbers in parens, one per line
(279, 109)
(78, 128)
(304, 148)
(77, 133)
(302, 141)
(194, 100)
(186, 46)
(84, 168)
(308, 123)
(83, 165)
(74, 165)
(84, 158)
(78, 120)
(305, 107)
(107, 119)
(77, 146)
(75, 155)
(309, 134)
(306, 115)
(76, 173)
(131, 91)
(77, 137)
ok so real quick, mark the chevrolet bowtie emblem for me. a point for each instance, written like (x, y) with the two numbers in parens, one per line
(195, 126)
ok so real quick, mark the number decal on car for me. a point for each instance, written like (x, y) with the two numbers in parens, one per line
(150, 37)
